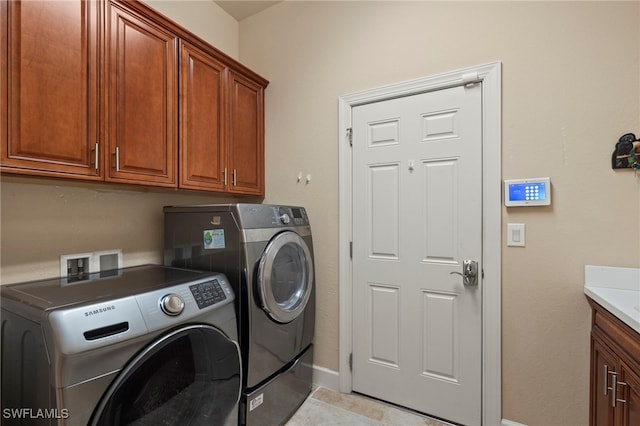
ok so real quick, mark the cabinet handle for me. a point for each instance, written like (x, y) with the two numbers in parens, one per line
(95, 156)
(606, 380)
(614, 390)
(117, 159)
(234, 177)
(224, 174)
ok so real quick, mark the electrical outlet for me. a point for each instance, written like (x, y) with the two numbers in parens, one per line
(76, 267)
(107, 260)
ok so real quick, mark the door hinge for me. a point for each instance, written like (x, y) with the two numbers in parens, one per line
(470, 79)
(351, 362)
(350, 249)
(350, 135)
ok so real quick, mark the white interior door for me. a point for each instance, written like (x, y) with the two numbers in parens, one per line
(417, 215)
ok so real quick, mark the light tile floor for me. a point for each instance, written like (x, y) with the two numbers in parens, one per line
(326, 407)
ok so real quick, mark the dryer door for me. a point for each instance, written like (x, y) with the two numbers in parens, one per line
(285, 277)
(189, 376)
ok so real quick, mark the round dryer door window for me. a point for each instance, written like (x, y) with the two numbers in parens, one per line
(285, 277)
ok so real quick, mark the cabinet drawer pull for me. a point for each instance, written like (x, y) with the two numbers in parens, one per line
(117, 159)
(234, 177)
(224, 174)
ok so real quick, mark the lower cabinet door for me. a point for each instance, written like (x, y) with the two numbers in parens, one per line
(603, 363)
(630, 393)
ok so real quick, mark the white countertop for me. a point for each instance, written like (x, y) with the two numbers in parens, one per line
(617, 290)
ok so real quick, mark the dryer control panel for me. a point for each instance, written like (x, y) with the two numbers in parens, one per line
(296, 216)
(299, 216)
(262, 216)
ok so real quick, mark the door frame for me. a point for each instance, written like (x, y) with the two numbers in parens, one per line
(490, 76)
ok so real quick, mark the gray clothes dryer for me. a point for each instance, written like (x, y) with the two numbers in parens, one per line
(267, 253)
(142, 345)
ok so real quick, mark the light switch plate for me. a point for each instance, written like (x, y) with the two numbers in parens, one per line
(515, 235)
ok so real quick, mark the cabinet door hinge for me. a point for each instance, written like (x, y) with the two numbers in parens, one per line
(350, 135)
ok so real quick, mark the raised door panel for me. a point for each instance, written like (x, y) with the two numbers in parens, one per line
(602, 362)
(202, 148)
(142, 100)
(246, 136)
(49, 88)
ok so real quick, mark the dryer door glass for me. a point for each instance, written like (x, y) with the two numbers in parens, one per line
(190, 376)
(285, 277)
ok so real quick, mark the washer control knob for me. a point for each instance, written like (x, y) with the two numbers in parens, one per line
(285, 219)
(172, 304)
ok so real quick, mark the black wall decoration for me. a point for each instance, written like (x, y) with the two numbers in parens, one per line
(627, 153)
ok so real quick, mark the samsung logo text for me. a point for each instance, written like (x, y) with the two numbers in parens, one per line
(100, 310)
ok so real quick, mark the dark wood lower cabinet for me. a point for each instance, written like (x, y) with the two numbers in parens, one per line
(615, 371)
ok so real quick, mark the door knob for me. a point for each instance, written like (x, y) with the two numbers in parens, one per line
(469, 272)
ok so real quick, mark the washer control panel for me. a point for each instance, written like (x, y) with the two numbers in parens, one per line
(208, 293)
(91, 326)
(172, 304)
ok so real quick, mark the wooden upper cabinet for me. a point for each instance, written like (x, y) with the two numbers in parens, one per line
(222, 126)
(49, 88)
(142, 100)
(246, 135)
(111, 90)
(203, 150)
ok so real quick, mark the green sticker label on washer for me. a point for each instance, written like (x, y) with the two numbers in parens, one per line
(213, 239)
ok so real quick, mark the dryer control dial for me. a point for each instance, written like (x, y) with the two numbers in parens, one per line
(284, 218)
(172, 304)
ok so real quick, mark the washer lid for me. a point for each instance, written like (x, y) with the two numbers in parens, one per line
(53, 293)
(285, 277)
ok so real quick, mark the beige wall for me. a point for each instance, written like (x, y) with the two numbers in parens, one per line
(43, 218)
(205, 19)
(570, 89)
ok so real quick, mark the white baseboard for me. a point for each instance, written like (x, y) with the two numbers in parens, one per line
(506, 422)
(326, 378)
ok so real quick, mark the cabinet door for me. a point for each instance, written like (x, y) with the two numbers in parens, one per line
(142, 100)
(630, 409)
(602, 362)
(202, 148)
(246, 136)
(49, 88)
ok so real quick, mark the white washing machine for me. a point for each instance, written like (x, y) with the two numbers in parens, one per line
(145, 345)
(267, 253)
